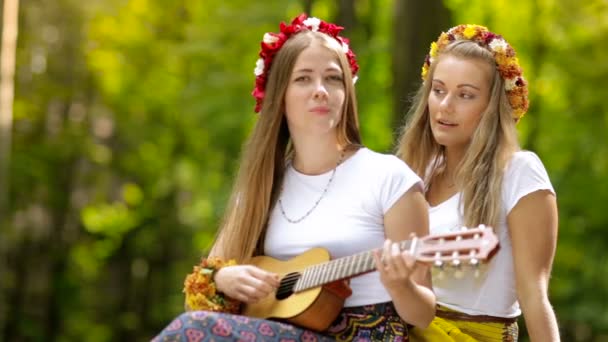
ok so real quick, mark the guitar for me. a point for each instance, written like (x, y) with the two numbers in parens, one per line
(311, 293)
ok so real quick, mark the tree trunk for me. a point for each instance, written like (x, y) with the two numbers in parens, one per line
(7, 73)
(346, 15)
(415, 25)
(7, 90)
(536, 57)
(307, 4)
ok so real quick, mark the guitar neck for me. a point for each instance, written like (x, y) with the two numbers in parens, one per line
(341, 268)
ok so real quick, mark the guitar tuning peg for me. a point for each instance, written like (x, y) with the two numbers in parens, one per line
(457, 265)
(482, 226)
(455, 259)
(464, 228)
(476, 267)
(473, 261)
(438, 263)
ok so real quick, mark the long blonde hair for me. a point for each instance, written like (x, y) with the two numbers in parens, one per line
(480, 173)
(263, 161)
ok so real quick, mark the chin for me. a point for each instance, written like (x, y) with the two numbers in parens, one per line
(445, 142)
(441, 139)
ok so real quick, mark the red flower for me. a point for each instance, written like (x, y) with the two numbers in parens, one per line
(269, 50)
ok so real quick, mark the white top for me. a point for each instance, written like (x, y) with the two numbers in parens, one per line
(493, 292)
(348, 220)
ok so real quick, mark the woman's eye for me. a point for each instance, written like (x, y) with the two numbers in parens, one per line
(337, 78)
(301, 78)
(467, 96)
(437, 91)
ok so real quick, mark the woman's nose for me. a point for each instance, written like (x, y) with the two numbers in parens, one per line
(320, 90)
(446, 103)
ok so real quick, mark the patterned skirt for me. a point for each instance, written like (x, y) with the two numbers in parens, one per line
(379, 322)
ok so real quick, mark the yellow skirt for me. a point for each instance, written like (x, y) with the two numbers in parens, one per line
(459, 327)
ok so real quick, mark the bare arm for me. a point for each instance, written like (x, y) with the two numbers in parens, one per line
(246, 283)
(408, 283)
(533, 229)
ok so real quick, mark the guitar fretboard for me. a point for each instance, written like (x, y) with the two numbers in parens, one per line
(337, 269)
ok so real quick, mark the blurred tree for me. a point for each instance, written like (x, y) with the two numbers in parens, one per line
(7, 90)
(415, 25)
(45, 155)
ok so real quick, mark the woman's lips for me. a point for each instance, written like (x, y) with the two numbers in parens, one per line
(446, 123)
(320, 110)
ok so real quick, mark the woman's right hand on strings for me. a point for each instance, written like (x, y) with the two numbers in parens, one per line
(246, 283)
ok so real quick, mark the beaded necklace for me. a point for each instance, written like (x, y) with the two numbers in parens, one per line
(331, 178)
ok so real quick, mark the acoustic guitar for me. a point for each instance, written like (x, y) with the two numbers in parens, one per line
(312, 289)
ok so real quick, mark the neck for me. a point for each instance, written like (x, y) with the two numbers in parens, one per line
(316, 157)
(341, 268)
(453, 157)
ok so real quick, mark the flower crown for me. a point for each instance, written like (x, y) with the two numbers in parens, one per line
(273, 42)
(508, 66)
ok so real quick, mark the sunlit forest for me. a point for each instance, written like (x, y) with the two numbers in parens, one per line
(119, 147)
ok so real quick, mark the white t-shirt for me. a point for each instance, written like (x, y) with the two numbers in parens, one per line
(349, 218)
(493, 292)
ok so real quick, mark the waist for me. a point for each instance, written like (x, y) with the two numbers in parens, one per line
(446, 313)
(367, 290)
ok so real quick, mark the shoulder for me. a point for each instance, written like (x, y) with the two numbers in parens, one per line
(525, 162)
(379, 159)
(525, 174)
(385, 176)
(525, 157)
(382, 163)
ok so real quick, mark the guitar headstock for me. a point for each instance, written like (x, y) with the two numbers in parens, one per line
(466, 245)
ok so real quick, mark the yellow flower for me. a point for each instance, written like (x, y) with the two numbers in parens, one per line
(201, 302)
(425, 70)
(200, 290)
(442, 41)
(434, 49)
(470, 31)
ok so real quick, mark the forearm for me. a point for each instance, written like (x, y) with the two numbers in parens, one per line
(541, 321)
(414, 303)
(533, 230)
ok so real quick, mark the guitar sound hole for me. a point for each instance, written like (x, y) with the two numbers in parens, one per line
(287, 283)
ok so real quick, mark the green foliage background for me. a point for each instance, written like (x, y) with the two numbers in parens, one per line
(130, 114)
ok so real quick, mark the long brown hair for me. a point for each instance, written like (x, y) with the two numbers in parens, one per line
(480, 173)
(265, 153)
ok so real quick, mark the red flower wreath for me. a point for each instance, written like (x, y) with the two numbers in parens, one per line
(272, 43)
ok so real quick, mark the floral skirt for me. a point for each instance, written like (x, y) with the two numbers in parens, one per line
(378, 322)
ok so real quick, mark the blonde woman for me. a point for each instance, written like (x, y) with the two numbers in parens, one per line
(306, 181)
(460, 138)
